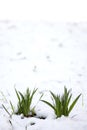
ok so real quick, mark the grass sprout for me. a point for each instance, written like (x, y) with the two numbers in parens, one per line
(61, 104)
(24, 102)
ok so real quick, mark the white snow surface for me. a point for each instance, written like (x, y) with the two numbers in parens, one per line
(50, 10)
(47, 56)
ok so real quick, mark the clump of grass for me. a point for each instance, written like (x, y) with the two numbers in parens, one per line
(24, 102)
(61, 104)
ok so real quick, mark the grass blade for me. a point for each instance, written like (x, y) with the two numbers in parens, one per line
(6, 110)
(73, 104)
(49, 104)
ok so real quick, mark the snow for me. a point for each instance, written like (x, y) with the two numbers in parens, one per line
(39, 10)
(45, 55)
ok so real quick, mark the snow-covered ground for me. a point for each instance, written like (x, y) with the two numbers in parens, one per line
(39, 10)
(45, 55)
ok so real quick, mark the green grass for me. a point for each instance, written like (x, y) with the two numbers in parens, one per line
(24, 102)
(61, 104)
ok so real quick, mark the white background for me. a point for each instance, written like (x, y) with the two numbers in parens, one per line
(38, 10)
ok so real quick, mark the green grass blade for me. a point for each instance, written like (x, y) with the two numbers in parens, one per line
(34, 91)
(69, 99)
(74, 102)
(58, 106)
(22, 96)
(17, 95)
(49, 104)
(6, 110)
(12, 107)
